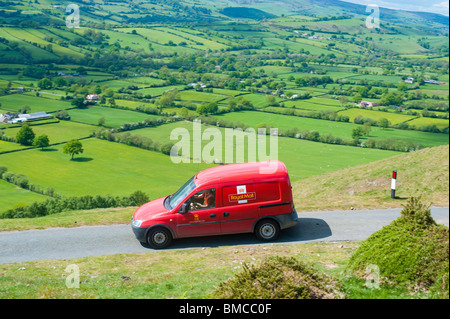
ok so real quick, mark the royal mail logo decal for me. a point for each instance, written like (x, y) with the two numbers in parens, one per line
(239, 197)
(242, 196)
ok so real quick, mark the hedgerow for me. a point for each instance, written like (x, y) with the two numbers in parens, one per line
(58, 205)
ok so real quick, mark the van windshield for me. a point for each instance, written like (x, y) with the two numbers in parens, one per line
(180, 194)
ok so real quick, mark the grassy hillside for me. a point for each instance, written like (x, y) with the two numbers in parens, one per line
(422, 173)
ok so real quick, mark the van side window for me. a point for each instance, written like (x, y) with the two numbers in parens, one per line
(203, 200)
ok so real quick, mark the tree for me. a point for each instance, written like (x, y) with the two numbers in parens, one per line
(101, 121)
(271, 101)
(25, 136)
(207, 108)
(343, 100)
(357, 98)
(60, 82)
(357, 133)
(41, 141)
(383, 122)
(45, 84)
(391, 99)
(63, 115)
(366, 128)
(78, 102)
(73, 147)
(167, 148)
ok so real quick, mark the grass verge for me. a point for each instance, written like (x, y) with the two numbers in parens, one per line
(190, 273)
(423, 173)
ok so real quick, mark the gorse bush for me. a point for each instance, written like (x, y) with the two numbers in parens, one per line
(279, 278)
(55, 205)
(412, 251)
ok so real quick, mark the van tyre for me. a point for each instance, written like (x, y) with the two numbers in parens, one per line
(267, 230)
(159, 238)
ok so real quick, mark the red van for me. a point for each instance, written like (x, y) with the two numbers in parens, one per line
(228, 199)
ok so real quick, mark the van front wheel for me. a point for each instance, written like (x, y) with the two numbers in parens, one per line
(159, 238)
(267, 230)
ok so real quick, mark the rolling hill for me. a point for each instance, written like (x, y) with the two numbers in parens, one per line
(422, 173)
(201, 11)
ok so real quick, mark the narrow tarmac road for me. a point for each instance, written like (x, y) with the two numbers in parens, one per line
(68, 243)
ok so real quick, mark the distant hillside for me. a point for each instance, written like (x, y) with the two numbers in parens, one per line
(338, 8)
(424, 172)
(202, 11)
(247, 13)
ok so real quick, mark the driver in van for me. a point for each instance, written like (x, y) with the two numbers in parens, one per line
(205, 199)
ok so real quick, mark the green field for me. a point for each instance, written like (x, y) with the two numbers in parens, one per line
(62, 131)
(133, 104)
(259, 100)
(337, 129)
(9, 146)
(156, 91)
(136, 49)
(12, 195)
(100, 169)
(113, 117)
(424, 121)
(131, 53)
(35, 36)
(14, 102)
(303, 158)
(393, 118)
(195, 96)
(312, 105)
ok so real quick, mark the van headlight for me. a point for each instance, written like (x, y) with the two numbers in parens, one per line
(136, 223)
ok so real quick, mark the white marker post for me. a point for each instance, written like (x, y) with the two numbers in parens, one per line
(393, 184)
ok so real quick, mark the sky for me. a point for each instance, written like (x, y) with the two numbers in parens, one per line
(435, 6)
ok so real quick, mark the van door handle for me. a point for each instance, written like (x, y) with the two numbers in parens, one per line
(212, 215)
(226, 214)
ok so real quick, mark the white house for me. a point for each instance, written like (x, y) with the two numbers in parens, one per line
(367, 104)
(6, 117)
(92, 97)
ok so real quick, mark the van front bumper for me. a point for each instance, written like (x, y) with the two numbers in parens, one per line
(140, 233)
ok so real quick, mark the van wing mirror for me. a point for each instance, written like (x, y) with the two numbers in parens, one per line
(184, 208)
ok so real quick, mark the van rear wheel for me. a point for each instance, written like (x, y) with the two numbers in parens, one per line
(159, 238)
(267, 230)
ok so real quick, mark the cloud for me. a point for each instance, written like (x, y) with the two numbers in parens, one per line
(442, 5)
(435, 6)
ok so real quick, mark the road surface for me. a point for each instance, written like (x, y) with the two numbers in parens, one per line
(67, 243)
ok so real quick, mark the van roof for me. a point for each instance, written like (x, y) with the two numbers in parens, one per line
(242, 172)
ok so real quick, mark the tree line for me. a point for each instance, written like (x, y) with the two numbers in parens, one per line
(58, 205)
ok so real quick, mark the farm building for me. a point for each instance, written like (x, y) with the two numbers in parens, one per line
(6, 117)
(433, 82)
(20, 118)
(367, 104)
(202, 85)
(92, 97)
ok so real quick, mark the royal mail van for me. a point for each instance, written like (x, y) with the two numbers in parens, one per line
(229, 199)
